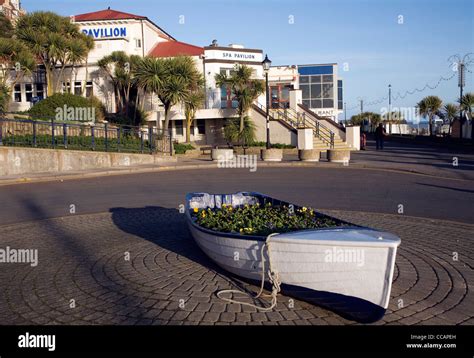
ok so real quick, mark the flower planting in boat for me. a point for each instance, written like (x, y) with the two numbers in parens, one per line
(261, 220)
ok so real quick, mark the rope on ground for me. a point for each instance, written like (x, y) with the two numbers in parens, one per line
(273, 277)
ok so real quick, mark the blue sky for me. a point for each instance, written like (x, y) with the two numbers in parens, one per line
(365, 34)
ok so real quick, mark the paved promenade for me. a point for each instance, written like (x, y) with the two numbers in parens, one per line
(168, 280)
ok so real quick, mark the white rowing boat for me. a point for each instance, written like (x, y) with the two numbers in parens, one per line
(347, 268)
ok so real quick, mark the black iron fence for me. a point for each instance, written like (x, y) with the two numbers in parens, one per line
(79, 136)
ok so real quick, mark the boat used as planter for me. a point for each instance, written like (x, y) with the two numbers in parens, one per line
(346, 268)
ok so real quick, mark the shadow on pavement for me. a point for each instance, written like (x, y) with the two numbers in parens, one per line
(167, 228)
(448, 188)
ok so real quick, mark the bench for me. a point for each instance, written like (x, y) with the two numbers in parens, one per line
(206, 149)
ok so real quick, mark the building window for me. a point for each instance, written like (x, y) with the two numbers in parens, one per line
(340, 99)
(29, 92)
(179, 127)
(66, 87)
(139, 43)
(17, 93)
(39, 91)
(78, 88)
(201, 126)
(317, 86)
(89, 89)
(280, 95)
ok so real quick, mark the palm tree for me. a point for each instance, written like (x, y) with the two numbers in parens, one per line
(77, 54)
(466, 104)
(245, 89)
(430, 106)
(449, 113)
(15, 62)
(194, 101)
(171, 79)
(89, 43)
(120, 68)
(14, 56)
(48, 35)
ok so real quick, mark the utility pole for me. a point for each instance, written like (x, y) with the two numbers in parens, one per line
(461, 84)
(390, 107)
(362, 111)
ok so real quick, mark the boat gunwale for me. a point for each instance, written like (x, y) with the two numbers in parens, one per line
(346, 225)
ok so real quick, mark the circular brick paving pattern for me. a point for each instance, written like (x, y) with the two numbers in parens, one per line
(141, 266)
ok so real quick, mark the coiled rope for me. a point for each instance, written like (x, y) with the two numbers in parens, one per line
(273, 277)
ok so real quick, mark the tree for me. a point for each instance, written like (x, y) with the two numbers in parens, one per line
(192, 103)
(77, 54)
(245, 89)
(49, 37)
(429, 107)
(15, 61)
(373, 119)
(4, 98)
(467, 103)
(171, 79)
(120, 68)
(233, 134)
(449, 113)
(6, 28)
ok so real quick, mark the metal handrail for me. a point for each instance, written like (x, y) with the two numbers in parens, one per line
(319, 130)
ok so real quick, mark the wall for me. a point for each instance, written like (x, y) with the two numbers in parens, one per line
(15, 160)
(278, 132)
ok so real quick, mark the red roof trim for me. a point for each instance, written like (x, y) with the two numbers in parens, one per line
(107, 14)
(175, 48)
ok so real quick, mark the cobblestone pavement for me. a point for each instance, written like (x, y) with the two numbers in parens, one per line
(168, 280)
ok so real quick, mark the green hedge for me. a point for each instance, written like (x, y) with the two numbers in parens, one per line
(181, 148)
(127, 143)
(47, 107)
(274, 145)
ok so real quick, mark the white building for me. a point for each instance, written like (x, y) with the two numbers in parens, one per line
(320, 86)
(315, 87)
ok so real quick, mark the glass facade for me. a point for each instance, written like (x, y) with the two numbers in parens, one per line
(280, 95)
(340, 100)
(317, 86)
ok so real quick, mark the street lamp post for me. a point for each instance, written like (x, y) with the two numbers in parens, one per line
(266, 67)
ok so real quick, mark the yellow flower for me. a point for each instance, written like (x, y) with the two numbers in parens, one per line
(241, 230)
(230, 208)
(304, 208)
(196, 210)
(203, 214)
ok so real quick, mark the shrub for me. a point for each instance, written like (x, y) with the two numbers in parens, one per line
(181, 148)
(273, 145)
(233, 135)
(46, 108)
(4, 98)
(135, 118)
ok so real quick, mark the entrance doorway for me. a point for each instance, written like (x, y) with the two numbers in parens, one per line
(280, 95)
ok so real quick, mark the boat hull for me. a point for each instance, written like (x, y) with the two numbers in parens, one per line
(348, 270)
